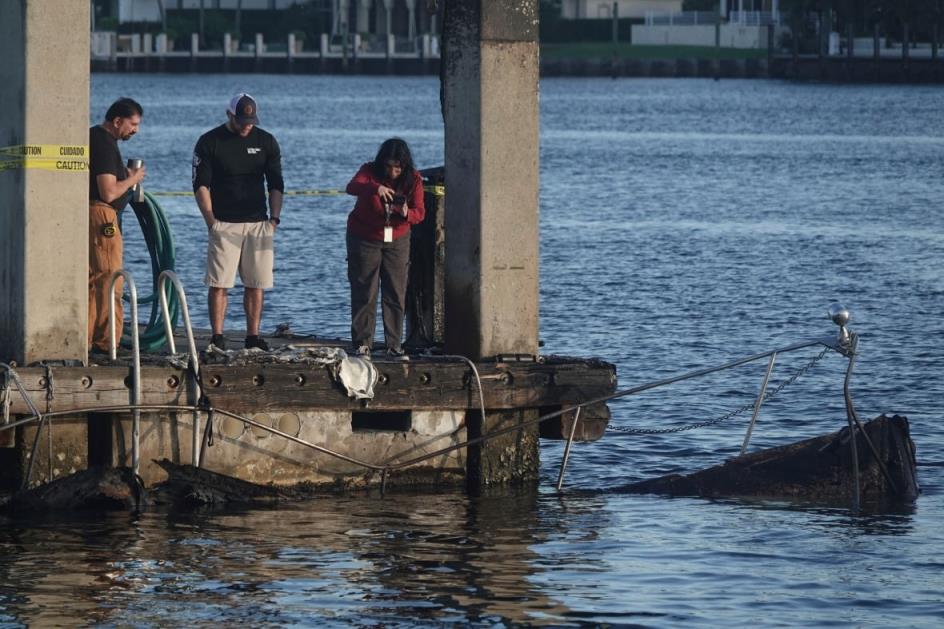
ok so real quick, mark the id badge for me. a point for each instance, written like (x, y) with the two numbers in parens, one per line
(388, 234)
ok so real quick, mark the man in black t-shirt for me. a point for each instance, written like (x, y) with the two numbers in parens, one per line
(232, 166)
(109, 187)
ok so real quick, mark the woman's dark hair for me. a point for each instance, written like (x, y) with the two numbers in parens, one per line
(123, 108)
(395, 150)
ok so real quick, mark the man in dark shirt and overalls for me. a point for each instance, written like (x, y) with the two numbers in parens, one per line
(232, 165)
(109, 186)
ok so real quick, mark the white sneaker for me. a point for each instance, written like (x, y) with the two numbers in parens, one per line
(362, 352)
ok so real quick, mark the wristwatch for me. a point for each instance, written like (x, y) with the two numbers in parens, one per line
(276, 220)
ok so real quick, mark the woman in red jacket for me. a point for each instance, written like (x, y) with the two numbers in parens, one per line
(389, 194)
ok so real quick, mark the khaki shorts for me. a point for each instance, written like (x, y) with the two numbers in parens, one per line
(247, 247)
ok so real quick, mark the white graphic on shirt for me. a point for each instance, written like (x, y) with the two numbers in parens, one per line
(253, 150)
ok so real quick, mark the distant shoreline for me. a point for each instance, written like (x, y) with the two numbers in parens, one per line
(804, 68)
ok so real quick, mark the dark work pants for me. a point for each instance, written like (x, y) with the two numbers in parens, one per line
(372, 264)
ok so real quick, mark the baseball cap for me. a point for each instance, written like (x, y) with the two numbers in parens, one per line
(244, 107)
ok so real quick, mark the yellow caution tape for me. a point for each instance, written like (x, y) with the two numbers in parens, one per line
(47, 151)
(56, 157)
(291, 193)
(313, 193)
(67, 165)
(436, 190)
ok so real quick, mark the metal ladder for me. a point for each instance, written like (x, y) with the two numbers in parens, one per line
(193, 355)
(135, 359)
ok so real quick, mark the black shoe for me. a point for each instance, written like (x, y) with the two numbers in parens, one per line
(256, 341)
(99, 352)
(361, 351)
(396, 353)
(219, 340)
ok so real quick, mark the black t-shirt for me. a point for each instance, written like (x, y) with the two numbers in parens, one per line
(105, 159)
(235, 170)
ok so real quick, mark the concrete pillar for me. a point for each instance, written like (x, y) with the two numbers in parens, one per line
(260, 50)
(411, 19)
(388, 16)
(227, 49)
(363, 15)
(490, 107)
(44, 190)
(491, 135)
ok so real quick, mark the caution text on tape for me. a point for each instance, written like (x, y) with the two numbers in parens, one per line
(55, 157)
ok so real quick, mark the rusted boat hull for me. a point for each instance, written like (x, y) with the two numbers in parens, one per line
(817, 470)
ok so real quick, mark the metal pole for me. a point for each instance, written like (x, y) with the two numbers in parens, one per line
(852, 428)
(615, 23)
(191, 346)
(757, 404)
(570, 441)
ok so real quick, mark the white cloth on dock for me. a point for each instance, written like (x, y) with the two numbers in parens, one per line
(358, 375)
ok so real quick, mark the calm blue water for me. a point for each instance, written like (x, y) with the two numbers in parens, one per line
(683, 223)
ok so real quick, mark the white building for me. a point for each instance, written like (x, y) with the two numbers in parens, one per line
(150, 10)
(600, 9)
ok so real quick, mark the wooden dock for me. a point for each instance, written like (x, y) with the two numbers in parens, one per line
(272, 417)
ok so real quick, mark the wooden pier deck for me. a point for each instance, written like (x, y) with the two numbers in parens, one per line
(424, 382)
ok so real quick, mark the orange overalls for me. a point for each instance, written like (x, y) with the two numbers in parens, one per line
(105, 257)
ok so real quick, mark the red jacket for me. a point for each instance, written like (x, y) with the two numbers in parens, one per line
(367, 219)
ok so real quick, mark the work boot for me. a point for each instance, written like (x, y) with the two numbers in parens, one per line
(257, 342)
(219, 341)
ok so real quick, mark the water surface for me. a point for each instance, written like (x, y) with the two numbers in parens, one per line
(683, 223)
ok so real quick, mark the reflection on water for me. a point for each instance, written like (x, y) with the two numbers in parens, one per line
(520, 557)
(420, 556)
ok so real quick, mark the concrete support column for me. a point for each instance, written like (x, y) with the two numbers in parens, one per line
(490, 107)
(44, 189)
(490, 84)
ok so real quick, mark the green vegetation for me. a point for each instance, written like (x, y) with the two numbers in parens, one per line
(626, 51)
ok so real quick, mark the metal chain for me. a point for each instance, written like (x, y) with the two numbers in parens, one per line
(711, 422)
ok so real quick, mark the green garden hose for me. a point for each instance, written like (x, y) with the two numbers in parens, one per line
(160, 244)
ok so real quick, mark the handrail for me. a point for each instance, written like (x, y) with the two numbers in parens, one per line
(136, 358)
(191, 345)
